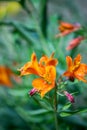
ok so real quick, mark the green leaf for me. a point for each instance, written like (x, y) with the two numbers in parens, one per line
(70, 113)
(39, 112)
(31, 115)
(66, 106)
(23, 32)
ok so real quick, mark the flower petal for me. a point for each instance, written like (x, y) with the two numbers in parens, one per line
(66, 25)
(30, 67)
(44, 60)
(81, 72)
(69, 61)
(77, 60)
(42, 86)
(67, 74)
(5, 76)
(50, 74)
(47, 82)
(53, 62)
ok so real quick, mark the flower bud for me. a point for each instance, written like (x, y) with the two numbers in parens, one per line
(33, 91)
(69, 96)
(75, 42)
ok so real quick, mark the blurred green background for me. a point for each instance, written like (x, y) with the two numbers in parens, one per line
(28, 26)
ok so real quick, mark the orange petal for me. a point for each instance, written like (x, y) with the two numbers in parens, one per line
(67, 25)
(38, 83)
(50, 74)
(67, 74)
(43, 60)
(30, 67)
(5, 75)
(5, 80)
(81, 72)
(69, 61)
(47, 89)
(23, 69)
(53, 62)
(52, 55)
(61, 29)
(42, 86)
(33, 58)
(80, 77)
(66, 32)
(47, 82)
(77, 60)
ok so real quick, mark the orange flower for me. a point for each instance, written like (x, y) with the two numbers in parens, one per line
(5, 75)
(75, 42)
(46, 71)
(67, 28)
(76, 69)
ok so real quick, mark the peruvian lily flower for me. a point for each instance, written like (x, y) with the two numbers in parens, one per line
(67, 28)
(5, 76)
(46, 71)
(76, 69)
(69, 97)
(75, 42)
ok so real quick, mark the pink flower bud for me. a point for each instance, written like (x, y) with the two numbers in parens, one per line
(69, 96)
(33, 91)
(75, 42)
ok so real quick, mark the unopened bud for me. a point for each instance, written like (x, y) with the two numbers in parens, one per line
(75, 42)
(69, 96)
(33, 91)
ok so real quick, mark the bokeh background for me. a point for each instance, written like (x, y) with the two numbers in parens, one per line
(28, 26)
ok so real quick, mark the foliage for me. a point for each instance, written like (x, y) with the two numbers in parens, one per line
(30, 30)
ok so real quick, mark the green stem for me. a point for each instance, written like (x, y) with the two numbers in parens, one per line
(55, 107)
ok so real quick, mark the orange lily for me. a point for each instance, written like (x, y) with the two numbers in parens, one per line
(75, 42)
(5, 75)
(76, 69)
(46, 71)
(67, 28)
